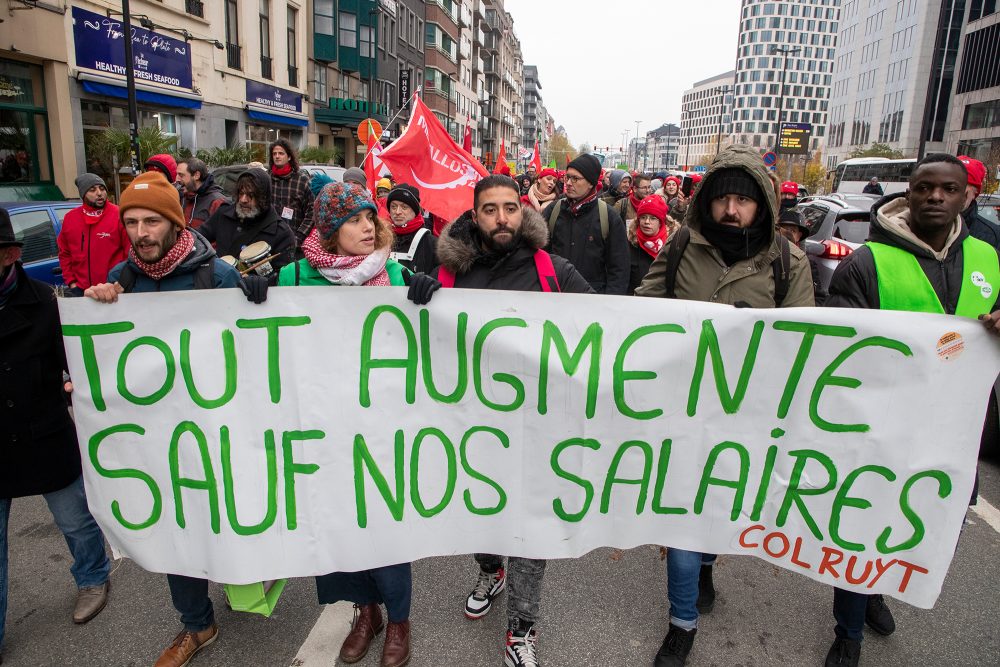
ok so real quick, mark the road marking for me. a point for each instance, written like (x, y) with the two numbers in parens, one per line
(987, 513)
(322, 646)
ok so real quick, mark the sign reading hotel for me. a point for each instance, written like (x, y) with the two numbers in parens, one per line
(99, 46)
(794, 138)
(278, 99)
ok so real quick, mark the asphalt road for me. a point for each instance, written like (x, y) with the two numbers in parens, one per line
(604, 609)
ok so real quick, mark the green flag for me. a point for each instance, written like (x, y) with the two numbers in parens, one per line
(552, 165)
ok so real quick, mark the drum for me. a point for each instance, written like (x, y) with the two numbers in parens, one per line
(254, 254)
(231, 261)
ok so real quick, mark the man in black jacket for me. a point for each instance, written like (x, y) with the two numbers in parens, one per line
(979, 227)
(39, 454)
(587, 231)
(201, 196)
(494, 246)
(250, 219)
(925, 223)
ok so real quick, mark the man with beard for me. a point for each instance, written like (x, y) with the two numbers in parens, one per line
(249, 220)
(201, 195)
(728, 251)
(587, 231)
(629, 204)
(789, 195)
(292, 198)
(167, 256)
(91, 240)
(499, 245)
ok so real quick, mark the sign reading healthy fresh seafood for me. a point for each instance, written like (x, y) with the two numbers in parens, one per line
(344, 429)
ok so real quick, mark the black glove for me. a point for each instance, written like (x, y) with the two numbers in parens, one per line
(742, 304)
(422, 287)
(255, 287)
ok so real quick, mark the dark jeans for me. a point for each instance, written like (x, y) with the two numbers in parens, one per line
(849, 612)
(524, 586)
(683, 574)
(190, 598)
(391, 585)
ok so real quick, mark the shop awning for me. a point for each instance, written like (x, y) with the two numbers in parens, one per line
(121, 92)
(275, 118)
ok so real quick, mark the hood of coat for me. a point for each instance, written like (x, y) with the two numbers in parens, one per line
(735, 157)
(890, 223)
(208, 187)
(262, 184)
(459, 246)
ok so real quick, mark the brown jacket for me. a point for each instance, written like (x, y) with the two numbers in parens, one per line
(702, 274)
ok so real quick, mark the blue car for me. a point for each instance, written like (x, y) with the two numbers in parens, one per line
(36, 224)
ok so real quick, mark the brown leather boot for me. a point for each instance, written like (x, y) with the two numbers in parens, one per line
(396, 651)
(367, 624)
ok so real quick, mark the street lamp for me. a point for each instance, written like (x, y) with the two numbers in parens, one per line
(722, 90)
(637, 123)
(372, 30)
(785, 52)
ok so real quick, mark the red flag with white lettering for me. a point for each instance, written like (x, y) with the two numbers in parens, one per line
(426, 157)
(467, 139)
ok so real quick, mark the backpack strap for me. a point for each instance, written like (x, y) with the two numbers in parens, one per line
(445, 276)
(127, 278)
(204, 275)
(297, 273)
(411, 252)
(675, 250)
(554, 217)
(781, 267)
(546, 272)
(602, 212)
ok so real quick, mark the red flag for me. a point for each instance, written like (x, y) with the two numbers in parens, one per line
(501, 165)
(467, 140)
(536, 159)
(371, 168)
(427, 157)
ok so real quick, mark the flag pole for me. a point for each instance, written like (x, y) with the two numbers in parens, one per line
(416, 93)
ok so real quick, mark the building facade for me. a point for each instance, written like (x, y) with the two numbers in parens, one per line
(410, 57)
(534, 110)
(807, 30)
(662, 149)
(894, 76)
(974, 126)
(706, 119)
(503, 68)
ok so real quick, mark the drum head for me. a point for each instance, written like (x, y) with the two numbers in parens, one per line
(229, 259)
(258, 250)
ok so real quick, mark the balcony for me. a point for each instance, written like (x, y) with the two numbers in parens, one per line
(293, 76)
(479, 37)
(265, 67)
(480, 9)
(195, 8)
(234, 56)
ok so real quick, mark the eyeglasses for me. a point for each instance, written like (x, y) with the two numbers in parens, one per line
(570, 178)
(643, 188)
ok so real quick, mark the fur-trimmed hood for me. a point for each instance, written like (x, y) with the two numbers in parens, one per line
(459, 247)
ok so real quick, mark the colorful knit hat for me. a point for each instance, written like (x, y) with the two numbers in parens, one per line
(336, 204)
(318, 181)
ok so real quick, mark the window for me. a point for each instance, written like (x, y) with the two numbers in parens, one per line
(232, 22)
(348, 30)
(323, 17)
(35, 230)
(366, 40)
(24, 152)
(264, 20)
(293, 70)
(319, 83)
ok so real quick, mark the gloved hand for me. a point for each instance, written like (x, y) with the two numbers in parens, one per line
(742, 304)
(422, 287)
(255, 287)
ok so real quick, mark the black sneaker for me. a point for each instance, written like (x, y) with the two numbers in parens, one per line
(706, 590)
(480, 600)
(522, 648)
(844, 653)
(675, 648)
(878, 617)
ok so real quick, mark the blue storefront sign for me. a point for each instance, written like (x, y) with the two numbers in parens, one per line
(156, 59)
(278, 99)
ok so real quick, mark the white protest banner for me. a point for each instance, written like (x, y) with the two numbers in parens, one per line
(341, 429)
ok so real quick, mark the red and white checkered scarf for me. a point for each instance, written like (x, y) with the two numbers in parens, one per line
(174, 257)
(367, 270)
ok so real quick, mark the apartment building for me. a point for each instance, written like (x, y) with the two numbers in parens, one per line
(706, 119)
(974, 124)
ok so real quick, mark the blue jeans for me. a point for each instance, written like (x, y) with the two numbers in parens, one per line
(683, 572)
(849, 612)
(190, 597)
(91, 566)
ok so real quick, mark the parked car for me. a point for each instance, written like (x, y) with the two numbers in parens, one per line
(225, 178)
(989, 208)
(840, 223)
(37, 224)
(335, 173)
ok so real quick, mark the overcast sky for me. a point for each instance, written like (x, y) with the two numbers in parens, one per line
(605, 65)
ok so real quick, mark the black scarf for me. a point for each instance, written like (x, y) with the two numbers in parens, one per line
(735, 243)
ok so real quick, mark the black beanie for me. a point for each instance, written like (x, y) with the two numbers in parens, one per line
(407, 194)
(732, 181)
(588, 166)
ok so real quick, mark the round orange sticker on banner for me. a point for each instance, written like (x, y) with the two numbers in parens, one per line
(363, 129)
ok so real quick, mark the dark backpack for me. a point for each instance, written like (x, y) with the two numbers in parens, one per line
(602, 212)
(781, 266)
(204, 276)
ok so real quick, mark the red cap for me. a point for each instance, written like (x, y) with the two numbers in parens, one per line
(790, 188)
(549, 172)
(976, 169)
(695, 179)
(655, 206)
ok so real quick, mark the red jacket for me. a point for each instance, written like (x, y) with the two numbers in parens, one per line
(91, 242)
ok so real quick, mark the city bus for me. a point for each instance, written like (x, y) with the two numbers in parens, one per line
(851, 176)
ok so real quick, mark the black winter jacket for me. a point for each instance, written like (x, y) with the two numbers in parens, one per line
(424, 255)
(855, 282)
(603, 262)
(639, 263)
(38, 445)
(459, 249)
(981, 228)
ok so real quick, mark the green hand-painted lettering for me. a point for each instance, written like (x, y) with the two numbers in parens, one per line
(168, 364)
(228, 358)
(94, 445)
(843, 500)
(291, 469)
(592, 338)
(944, 490)
(364, 459)
(273, 326)
(369, 363)
(86, 333)
(621, 376)
(613, 478)
(793, 494)
(427, 368)
(738, 485)
(809, 332)
(505, 378)
(272, 484)
(208, 484)
(765, 483)
(588, 488)
(476, 475)
(662, 465)
(709, 344)
(449, 489)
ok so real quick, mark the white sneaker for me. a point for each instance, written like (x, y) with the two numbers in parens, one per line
(480, 601)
